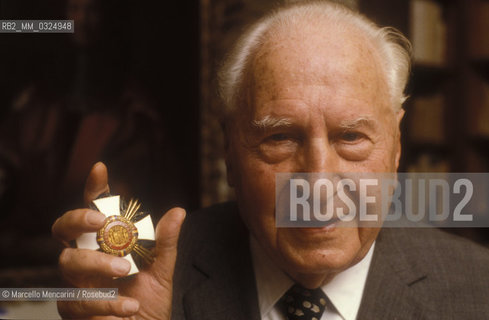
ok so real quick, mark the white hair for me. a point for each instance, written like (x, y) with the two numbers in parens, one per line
(393, 47)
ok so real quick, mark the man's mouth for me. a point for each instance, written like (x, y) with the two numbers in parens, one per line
(326, 226)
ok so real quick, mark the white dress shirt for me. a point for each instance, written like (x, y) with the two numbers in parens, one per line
(344, 291)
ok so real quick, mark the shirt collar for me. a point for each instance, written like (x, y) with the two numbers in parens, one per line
(271, 282)
(345, 290)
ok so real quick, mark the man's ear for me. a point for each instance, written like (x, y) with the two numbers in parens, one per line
(227, 153)
(399, 116)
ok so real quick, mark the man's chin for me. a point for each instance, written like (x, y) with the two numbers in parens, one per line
(313, 272)
(318, 262)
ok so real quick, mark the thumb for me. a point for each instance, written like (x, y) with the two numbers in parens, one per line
(97, 183)
(167, 233)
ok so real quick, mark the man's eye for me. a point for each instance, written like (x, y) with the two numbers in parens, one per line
(350, 136)
(278, 137)
(278, 147)
(353, 145)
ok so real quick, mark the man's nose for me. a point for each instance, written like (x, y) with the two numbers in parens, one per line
(320, 156)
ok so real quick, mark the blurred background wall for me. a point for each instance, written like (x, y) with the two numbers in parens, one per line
(122, 89)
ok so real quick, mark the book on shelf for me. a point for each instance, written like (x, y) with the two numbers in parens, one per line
(428, 162)
(426, 119)
(428, 32)
(478, 29)
(478, 106)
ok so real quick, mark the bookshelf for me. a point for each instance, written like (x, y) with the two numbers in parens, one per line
(447, 121)
(446, 127)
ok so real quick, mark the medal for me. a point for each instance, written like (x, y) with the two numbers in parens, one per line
(127, 232)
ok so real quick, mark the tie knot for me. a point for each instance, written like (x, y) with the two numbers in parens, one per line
(304, 304)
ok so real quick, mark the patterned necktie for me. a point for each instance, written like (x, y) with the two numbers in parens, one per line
(304, 304)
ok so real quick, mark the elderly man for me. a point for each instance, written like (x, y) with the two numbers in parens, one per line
(313, 87)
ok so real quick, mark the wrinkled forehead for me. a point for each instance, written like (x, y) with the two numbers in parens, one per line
(339, 56)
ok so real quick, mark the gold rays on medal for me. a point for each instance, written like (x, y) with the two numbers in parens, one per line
(144, 253)
(131, 213)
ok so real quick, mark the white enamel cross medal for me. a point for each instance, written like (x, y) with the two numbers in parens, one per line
(127, 232)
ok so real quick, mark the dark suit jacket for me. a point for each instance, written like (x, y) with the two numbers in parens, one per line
(414, 274)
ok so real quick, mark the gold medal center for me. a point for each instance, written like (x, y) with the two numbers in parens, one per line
(118, 235)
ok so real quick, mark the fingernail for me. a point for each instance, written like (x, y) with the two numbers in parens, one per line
(120, 266)
(130, 306)
(95, 218)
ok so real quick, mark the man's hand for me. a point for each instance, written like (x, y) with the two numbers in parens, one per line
(148, 294)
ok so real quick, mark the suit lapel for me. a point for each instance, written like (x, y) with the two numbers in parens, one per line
(396, 285)
(227, 289)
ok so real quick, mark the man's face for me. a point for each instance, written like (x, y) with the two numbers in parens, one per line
(316, 101)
